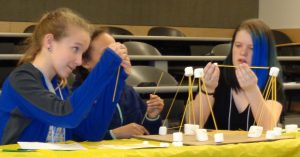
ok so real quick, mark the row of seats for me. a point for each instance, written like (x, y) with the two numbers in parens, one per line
(218, 50)
(154, 31)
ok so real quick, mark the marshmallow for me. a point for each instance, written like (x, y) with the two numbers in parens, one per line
(277, 131)
(219, 137)
(177, 137)
(195, 127)
(190, 129)
(164, 144)
(201, 135)
(188, 71)
(177, 144)
(291, 128)
(270, 134)
(162, 130)
(145, 142)
(199, 73)
(274, 71)
(255, 131)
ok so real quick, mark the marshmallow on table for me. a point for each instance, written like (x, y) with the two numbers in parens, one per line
(162, 130)
(195, 126)
(274, 71)
(177, 144)
(164, 144)
(291, 128)
(188, 71)
(219, 137)
(145, 142)
(201, 135)
(270, 134)
(177, 137)
(190, 129)
(199, 73)
(255, 131)
(277, 131)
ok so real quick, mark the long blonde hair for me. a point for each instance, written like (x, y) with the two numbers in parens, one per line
(55, 22)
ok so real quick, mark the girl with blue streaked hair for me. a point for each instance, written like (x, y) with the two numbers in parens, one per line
(236, 93)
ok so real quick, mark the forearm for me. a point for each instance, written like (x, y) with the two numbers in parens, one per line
(266, 113)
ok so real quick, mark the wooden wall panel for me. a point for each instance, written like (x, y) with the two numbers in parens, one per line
(179, 13)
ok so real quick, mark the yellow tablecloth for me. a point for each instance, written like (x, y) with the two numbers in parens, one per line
(282, 148)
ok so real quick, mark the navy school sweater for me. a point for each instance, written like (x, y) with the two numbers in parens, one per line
(131, 108)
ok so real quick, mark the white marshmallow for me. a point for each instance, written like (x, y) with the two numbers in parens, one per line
(219, 137)
(145, 142)
(199, 73)
(164, 144)
(188, 71)
(255, 131)
(177, 137)
(190, 129)
(274, 71)
(195, 127)
(270, 134)
(277, 131)
(201, 135)
(291, 128)
(162, 130)
(177, 144)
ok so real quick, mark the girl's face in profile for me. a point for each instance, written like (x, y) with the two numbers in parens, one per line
(242, 49)
(67, 52)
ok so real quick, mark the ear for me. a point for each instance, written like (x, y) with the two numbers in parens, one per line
(48, 42)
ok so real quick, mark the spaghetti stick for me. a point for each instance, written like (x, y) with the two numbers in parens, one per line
(184, 114)
(201, 106)
(210, 107)
(116, 84)
(158, 82)
(267, 90)
(252, 67)
(191, 100)
(173, 100)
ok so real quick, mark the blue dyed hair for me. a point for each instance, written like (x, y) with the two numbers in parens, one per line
(264, 52)
(260, 56)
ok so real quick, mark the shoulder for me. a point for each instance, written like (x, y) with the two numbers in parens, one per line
(24, 75)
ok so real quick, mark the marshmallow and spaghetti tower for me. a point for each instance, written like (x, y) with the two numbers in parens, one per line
(270, 91)
(199, 74)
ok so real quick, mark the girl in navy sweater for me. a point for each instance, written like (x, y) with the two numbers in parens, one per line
(35, 104)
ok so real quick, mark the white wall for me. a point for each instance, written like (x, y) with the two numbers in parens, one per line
(280, 14)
